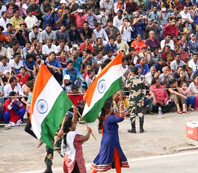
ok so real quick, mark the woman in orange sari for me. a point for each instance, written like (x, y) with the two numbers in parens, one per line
(138, 44)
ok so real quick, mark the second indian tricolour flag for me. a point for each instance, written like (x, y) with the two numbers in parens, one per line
(48, 107)
(107, 83)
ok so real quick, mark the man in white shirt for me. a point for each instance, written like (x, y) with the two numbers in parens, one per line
(167, 42)
(193, 63)
(13, 86)
(108, 5)
(4, 21)
(100, 32)
(125, 31)
(2, 8)
(48, 48)
(16, 63)
(177, 62)
(149, 76)
(186, 15)
(4, 65)
(118, 20)
(31, 20)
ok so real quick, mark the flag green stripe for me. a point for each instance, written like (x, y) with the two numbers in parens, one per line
(94, 111)
(53, 120)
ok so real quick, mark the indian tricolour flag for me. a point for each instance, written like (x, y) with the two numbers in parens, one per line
(48, 107)
(107, 83)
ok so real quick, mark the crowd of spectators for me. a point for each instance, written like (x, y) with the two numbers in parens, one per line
(76, 38)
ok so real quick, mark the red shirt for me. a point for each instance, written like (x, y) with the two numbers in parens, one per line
(22, 80)
(83, 47)
(171, 30)
(160, 93)
(76, 99)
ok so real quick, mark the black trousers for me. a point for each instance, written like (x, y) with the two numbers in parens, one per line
(165, 109)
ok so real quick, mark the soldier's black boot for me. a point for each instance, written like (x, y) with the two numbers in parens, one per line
(132, 130)
(141, 124)
(48, 169)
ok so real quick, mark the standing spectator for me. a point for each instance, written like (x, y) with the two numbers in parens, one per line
(170, 28)
(90, 18)
(154, 15)
(108, 5)
(112, 30)
(80, 18)
(118, 19)
(153, 26)
(131, 6)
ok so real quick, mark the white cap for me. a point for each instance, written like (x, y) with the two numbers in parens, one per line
(67, 77)
(63, 2)
(6, 71)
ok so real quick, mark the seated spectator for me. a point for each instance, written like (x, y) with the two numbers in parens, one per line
(3, 50)
(15, 49)
(35, 33)
(89, 77)
(193, 43)
(87, 44)
(77, 61)
(67, 84)
(155, 27)
(152, 42)
(98, 59)
(185, 90)
(74, 34)
(176, 97)
(100, 32)
(31, 20)
(6, 77)
(121, 45)
(165, 77)
(4, 65)
(189, 75)
(30, 64)
(194, 90)
(193, 63)
(22, 76)
(4, 20)
(13, 111)
(170, 28)
(16, 63)
(177, 62)
(62, 34)
(86, 31)
(142, 66)
(62, 59)
(48, 48)
(48, 34)
(112, 30)
(167, 42)
(3, 37)
(48, 18)
(184, 55)
(98, 46)
(91, 17)
(138, 43)
(13, 86)
(168, 54)
(161, 96)
(111, 46)
(27, 49)
(63, 47)
(109, 55)
(151, 75)
(16, 20)
(72, 72)
(180, 75)
(55, 66)
(22, 34)
(160, 64)
(43, 7)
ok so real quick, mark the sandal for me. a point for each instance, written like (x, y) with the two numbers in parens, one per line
(191, 109)
(185, 112)
(7, 127)
(179, 112)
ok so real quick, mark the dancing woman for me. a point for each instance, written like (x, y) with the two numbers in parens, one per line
(110, 154)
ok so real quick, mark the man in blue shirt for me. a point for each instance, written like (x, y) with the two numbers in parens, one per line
(72, 72)
(144, 68)
(55, 67)
(111, 46)
(30, 64)
(77, 61)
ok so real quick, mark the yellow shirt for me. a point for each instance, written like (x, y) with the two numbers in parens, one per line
(16, 22)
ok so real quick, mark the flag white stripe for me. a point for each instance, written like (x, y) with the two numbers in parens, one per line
(114, 73)
(51, 91)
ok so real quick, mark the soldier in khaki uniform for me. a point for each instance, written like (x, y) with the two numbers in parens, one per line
(137, 94)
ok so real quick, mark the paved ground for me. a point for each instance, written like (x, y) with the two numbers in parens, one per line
(175, 163)
(164, 135)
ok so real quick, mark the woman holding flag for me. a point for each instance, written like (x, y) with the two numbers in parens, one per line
(111, 154)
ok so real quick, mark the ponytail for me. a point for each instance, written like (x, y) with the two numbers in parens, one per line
(67, 125)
